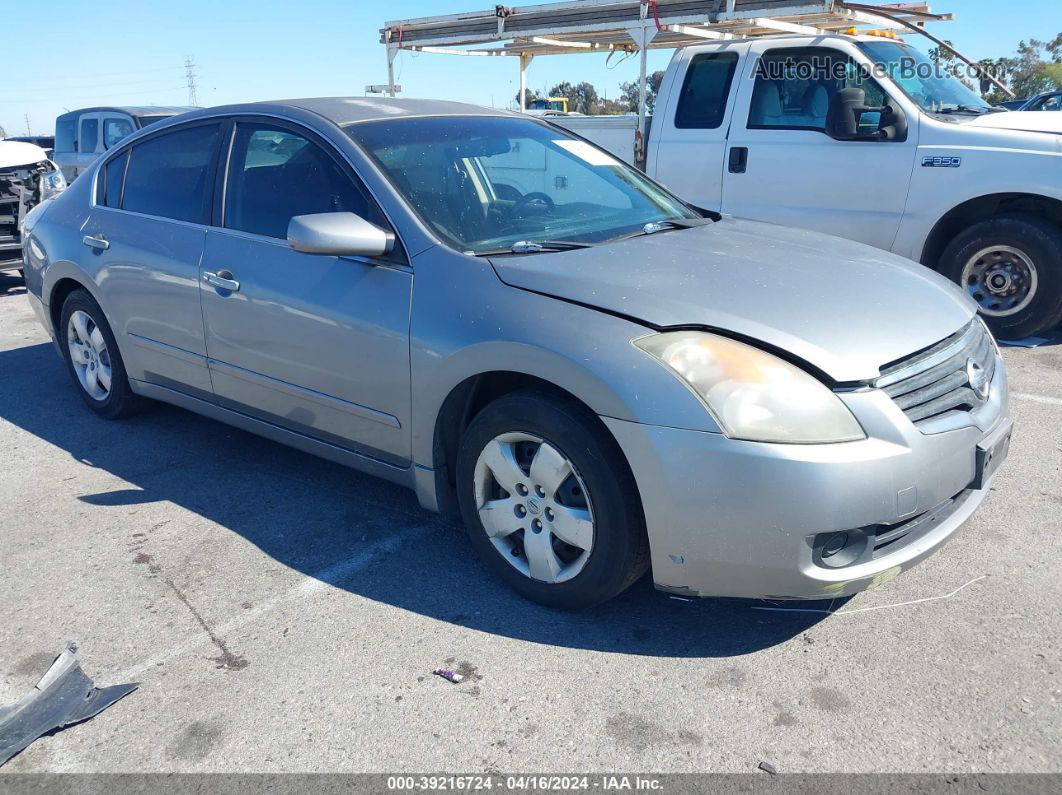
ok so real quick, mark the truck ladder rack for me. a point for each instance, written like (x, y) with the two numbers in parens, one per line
(629, 26)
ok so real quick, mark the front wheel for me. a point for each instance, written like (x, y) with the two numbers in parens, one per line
(549, 501)
(1012, 267)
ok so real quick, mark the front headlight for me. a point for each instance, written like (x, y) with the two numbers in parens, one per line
(52, 184)
(752, 394)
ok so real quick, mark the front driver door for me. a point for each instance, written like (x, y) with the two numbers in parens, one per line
(316, 344)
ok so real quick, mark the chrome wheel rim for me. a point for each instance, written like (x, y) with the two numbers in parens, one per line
(89, 355)
(1001, 279)
(534, 507)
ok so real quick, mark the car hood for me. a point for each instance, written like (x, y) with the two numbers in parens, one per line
(1021, 120)
(20, 153)
(845, 308)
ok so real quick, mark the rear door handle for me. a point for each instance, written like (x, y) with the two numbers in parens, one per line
(95, 242)
(739, 159)
(222, 280)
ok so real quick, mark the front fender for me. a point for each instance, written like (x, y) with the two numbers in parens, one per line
(458, 332)
(991, 162)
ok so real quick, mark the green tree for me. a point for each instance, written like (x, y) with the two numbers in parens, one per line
(529, 96)
(629, 92)
(1036, 67)
(582, 97)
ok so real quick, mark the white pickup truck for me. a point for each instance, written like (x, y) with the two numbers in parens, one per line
(860, 136)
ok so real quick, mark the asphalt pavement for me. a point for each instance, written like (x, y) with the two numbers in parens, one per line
(283, 613)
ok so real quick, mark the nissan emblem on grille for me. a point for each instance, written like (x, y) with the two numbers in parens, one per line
(978, 378)
(955, 375)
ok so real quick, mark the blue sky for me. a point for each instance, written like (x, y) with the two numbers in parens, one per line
(132, 52)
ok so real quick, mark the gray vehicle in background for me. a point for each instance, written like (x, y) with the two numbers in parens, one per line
(599, 377)
(82, 135)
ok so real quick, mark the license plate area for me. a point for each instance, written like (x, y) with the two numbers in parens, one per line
(990, 454)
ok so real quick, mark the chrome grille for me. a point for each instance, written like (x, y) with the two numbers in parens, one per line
(936, 381)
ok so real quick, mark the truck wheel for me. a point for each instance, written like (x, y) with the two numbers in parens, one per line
(93, 359)
(1011, 266)
(549, 502)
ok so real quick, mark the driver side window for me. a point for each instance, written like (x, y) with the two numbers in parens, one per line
(795, 86)
(276, 174)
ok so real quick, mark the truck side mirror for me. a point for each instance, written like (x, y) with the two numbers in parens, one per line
(847, 108)
(842, 117)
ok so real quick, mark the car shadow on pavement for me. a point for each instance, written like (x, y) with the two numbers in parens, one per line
(12, 284)
(313, 516)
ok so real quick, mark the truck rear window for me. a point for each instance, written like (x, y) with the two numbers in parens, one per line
(702, 103)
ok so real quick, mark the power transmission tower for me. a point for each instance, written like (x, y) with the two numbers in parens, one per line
(28, 130)
(189, 73)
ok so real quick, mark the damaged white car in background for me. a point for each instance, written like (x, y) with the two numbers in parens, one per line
(27, 177)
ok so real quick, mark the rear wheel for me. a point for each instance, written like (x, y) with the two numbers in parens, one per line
(549, 502)
(93, 359)
(1012, 267)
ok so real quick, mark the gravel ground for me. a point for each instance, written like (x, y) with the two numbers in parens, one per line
(284, 614)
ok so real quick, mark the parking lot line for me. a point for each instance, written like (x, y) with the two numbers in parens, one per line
(311, 584)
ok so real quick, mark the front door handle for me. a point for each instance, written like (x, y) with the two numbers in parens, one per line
(739, 159)
(97, 243)
(222, 280)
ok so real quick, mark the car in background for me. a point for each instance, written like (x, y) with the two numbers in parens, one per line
(1012, 104)
(1049, 100)
(27, 178)
(81, 135)
(45, 142)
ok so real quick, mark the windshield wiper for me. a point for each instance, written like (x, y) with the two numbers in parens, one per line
(653, 227)
(534, 247)
(968, 109)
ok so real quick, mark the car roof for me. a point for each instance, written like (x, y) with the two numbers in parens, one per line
(352, 110)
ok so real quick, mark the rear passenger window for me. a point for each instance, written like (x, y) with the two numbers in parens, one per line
(277, 174)
(111, 195)
(172, 175)
(90, 129)
(702, 103)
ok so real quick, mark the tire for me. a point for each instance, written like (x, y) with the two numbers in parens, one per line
(1004, 248)
(599, 485)
(112, 399)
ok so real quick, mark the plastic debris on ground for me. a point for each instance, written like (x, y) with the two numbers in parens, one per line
(448, 675)
(63, 696)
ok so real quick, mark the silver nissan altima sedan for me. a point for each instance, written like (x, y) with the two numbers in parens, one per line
(501, 316)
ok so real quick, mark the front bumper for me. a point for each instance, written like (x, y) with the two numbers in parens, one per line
(747, 519)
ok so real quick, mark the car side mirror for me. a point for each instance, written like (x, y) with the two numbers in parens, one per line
(847, 107)
(339, 234)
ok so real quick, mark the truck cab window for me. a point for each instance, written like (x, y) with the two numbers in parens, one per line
(794, 88)
(702, 103)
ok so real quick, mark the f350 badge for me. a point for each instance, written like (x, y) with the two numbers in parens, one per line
(941, 161)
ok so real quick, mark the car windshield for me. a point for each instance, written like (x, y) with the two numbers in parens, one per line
(487, 184)
(922, 80)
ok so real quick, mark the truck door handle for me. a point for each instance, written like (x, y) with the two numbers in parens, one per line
(95, 242)
(222, 280)
(739, 159)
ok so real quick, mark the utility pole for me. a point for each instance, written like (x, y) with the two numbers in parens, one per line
(28, 130)
(189, 73)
